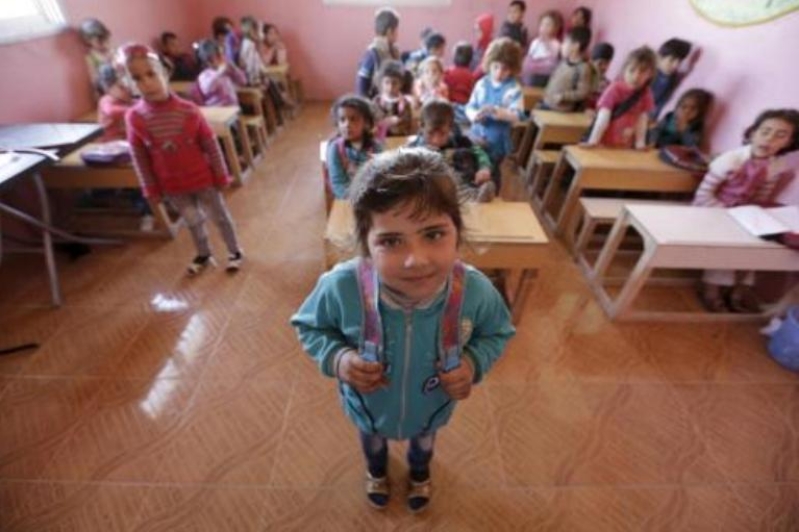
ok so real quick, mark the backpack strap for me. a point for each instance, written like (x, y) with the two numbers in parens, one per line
(372, 331)
(628, 102)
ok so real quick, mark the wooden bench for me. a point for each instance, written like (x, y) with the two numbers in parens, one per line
(539, 169)
(72, 173)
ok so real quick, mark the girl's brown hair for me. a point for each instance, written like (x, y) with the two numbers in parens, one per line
(643, 56)
(506, 51)
(791, 116)
(417, 177)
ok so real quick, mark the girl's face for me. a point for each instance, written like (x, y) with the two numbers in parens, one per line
(668, 64)
(149, 79)
(546, 28)
(687, 111)
(272, 37)
(432, 72)
(636, 76)
(437, 137)
(570, 49)
(601, 65)
(413, 255)
(390, 87)
(351, 124)
(499, 71)
(771, 136)
(99, 44)
(577, 19)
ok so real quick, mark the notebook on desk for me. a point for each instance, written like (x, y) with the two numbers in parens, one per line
(766, 222)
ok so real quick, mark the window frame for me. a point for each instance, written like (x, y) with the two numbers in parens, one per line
(47, 20)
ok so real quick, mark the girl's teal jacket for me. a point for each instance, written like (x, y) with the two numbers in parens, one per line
(330, 320)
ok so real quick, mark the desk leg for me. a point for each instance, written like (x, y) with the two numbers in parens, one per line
(567, 210)
(231, 156)
(246, 142)
(520, 293)
(49, 255)
(633, 285)
(611, 246)
(549, 191)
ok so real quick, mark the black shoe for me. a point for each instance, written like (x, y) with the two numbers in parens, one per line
(199, 263)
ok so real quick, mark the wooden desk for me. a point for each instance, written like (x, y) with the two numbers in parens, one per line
(499, 235)
(183, 88)
(608, 169)
(685, 237)
(531, 96)
(551, 127)
(222, 121)
(72, 172)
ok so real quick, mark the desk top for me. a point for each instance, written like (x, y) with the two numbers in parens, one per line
(687, 225)
(62, 136)
(278, 69)
(220, 115)
(13, 165)
(391, 143)
(531, 96)
(619, 159)
(556, 119)
(496, 222)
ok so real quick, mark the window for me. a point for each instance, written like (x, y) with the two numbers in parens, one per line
(28, 19)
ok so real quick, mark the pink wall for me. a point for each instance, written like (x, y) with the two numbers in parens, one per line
(325, 43)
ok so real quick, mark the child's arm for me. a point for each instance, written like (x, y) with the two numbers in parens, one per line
(512, 108)
(483, 174)
(491, 331)
(641, 127)
(600, 126)
(339, 178)
(209, 145)
(475, 107)
(141, 157)
(366, 68)
(236, 74)
(785, 163)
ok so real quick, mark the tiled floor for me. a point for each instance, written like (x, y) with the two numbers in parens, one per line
(158, 402)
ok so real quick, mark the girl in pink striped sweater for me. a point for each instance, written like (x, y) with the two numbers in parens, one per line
(176, 156)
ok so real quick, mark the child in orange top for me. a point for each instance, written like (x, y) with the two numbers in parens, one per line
(430, 84)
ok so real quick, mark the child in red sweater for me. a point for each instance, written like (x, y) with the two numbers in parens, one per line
(176, 156)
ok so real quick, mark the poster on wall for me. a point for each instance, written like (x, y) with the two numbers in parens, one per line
(743, 12)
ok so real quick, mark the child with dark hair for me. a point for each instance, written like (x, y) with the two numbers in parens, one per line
(113, 104)
(469, 162)
(459, 77)
(395, 110)
(406, 323)
(683, 126)
(601, 57)
(181, 65)
(218, 81)
(570, 84)
(274, 50)
(353, 144)
(496, 102)
(749, 175)
(383, 48)
(623, 109)
(581, 18)
(435, 45)
(513, 27)
(544, 52)
(224, 33)
(96, 37)
(668, 76)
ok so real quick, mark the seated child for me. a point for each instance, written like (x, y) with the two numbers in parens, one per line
(430, 83)
(113, 104)
(496, 102)
(581, 18)
(382, 48)
(684, 125)
(252, 62)
(601, 56)
(274, 50)
(353, 144)
(225, 35)
(484, 33)
(435, 45)
(748, 175)
(513, 27)
(458, 77)
(218, 81)
(96, 37)
(469, 162)
(395, 116)
(544, 52)
(183, 66)
(667, 77)
(569, 85)
(356, 324)
(178, 160)
(623, 109)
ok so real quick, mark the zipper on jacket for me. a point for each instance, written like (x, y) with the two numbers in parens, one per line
(408, 330)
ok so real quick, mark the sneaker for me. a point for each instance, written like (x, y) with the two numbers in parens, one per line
(147, 223)
(377, 491)
(418, 495)
(712, 298)
(487, 192)
(199, 263)
(742, 299)
(234, 261)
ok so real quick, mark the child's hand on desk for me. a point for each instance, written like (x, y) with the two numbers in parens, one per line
(366, 377)
(458, 382)
(482, 176)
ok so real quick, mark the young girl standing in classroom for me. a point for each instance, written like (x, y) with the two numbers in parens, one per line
(353, 144)
(406, 328)
(749, 175)
(430, 83)
(393, 107)
(177, 157)
(623, 109)
(496, 102)
(544, 52)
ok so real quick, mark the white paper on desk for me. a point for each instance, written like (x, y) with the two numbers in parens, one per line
(7, 158)
(764, 222)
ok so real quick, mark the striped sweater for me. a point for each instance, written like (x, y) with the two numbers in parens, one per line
(174, 150)
(736, 178)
